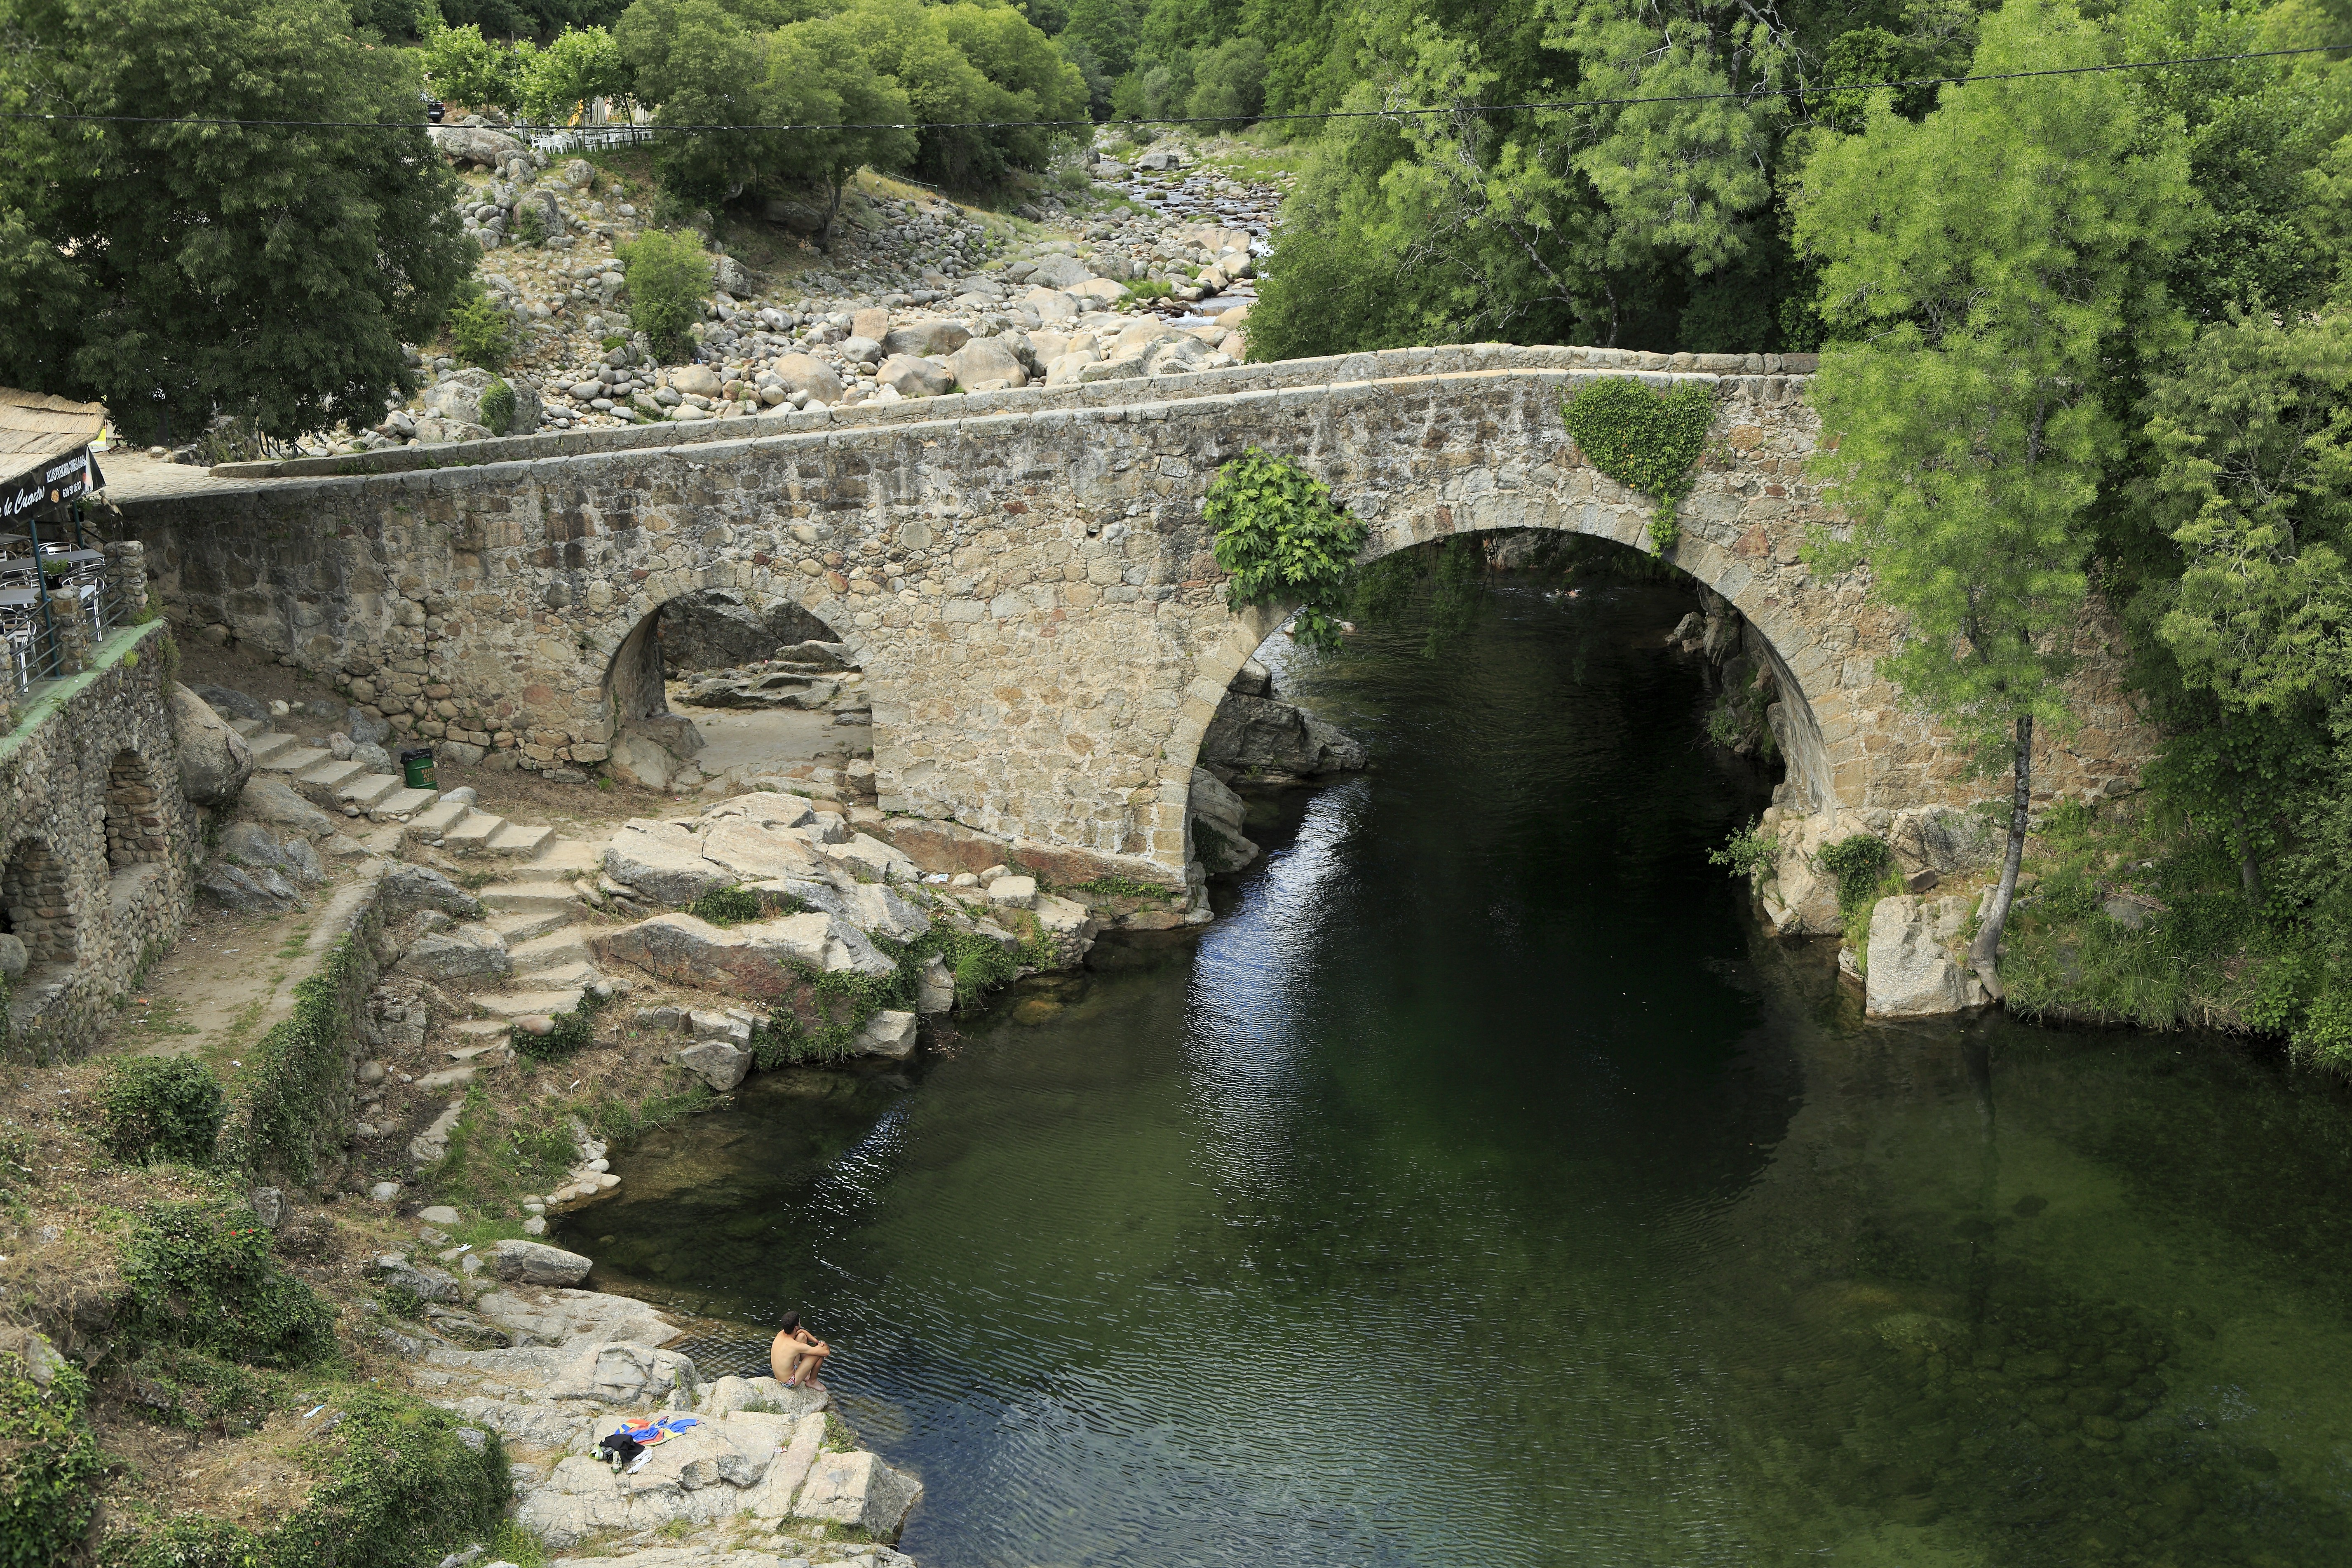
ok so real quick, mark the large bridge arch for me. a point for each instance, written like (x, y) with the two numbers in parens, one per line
(1026, 576)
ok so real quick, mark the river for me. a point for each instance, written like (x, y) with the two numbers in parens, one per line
(1486, 1187)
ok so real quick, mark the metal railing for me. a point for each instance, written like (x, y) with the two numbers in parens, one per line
(57, 602)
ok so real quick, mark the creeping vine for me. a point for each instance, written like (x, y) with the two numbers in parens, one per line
(1643, 441)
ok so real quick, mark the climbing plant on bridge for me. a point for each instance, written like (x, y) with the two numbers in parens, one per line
(1643, 441)
(1285, 542)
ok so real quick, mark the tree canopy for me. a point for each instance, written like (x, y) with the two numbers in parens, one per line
(180, 270)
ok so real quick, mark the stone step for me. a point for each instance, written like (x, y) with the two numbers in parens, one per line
(558, 976)
(517, 841)
(474, 1053)
(472, 835)
(568, 945)
(368, 788)
(528, 924)
(447, 1078)
(332, 775)
(292, 759)
(480, 1029)
(436, 820)
(404, 801)
(521, 1004)
(568, 857)
(270, 743)
(248, 728)
(516, 897)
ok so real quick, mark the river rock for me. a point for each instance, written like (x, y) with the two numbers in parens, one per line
(808, 374)
(698, 379)
(1252, 679)
(730, 1395)
(536, 1263)
(889, 1033)
(912, 377)
(460, 953)
(984, 362)
(215, 760)
(14, 960)
(1059, 272)
(715, 628)
(717, 1063)
(406, 889)
(624, 1373)
(748, 960)
(1225, 847)
(1911, 972)
(858, 1489)
(421, 1280)
(1262, 735)
(920, 340)
(459, 400)
(475, 144)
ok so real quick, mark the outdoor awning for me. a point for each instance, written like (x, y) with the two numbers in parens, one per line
(44, 455)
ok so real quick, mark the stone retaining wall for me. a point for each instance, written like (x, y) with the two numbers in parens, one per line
(97, 844)
(1028, 585)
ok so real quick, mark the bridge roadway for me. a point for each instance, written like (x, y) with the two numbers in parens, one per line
(1025, 576)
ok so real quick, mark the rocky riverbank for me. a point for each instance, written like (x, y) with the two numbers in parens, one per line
(918, 296)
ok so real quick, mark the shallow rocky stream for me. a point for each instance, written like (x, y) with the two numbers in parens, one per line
(1486, 1187)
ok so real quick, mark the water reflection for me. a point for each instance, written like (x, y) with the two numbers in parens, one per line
(1486, 1187)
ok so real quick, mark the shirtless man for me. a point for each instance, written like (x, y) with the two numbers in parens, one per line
(797, 1356)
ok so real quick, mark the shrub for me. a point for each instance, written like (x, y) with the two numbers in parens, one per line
(1750, 852)
(567, 1032)
(48, 1467)
(162, 1107)
(726, 906)
(497, 408)
(479, 334)
(530, 227)
(1858, 863)
(1283, 542)
(667, 276)
(200, 1274)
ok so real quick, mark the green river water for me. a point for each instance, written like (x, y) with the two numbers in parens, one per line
(1487, 1187)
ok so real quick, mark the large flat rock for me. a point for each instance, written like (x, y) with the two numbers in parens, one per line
(754, 959)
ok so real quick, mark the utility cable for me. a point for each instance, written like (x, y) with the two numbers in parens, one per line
(1746, 97)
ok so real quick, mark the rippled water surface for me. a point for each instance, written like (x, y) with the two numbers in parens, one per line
(1485, 1188)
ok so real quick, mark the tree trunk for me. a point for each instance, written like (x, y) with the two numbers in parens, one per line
(2250, 874)
(1984, 953)
(832, 214)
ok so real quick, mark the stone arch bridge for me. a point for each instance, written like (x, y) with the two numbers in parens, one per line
(1025, 576)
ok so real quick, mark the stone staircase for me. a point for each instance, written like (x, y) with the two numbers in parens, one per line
(539, 910)
(452, 826)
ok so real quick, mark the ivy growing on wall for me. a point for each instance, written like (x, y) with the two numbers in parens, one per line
(1285, 542)
(1643, 441)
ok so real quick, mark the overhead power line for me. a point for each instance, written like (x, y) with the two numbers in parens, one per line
(1750, 96)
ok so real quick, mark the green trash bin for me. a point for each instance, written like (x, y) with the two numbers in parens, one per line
(416, 768)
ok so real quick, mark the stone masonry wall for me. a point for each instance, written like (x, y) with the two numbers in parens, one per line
(1029, 586)
(97, 844)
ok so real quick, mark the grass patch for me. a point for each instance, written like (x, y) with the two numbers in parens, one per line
(498, 1155)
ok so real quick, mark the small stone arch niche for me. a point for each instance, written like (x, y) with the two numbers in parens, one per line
(35, 908)
(135, 831)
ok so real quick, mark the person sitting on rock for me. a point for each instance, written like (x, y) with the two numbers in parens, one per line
(797, 1356)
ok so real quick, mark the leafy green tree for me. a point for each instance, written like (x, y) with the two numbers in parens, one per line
(1978, 265)
(962, 64)
(1108, 28)
(465, 68)
(182, 270)
(817, 76)
(2253, 437)
(581, 64)
(667, 276)
(1228, 83)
